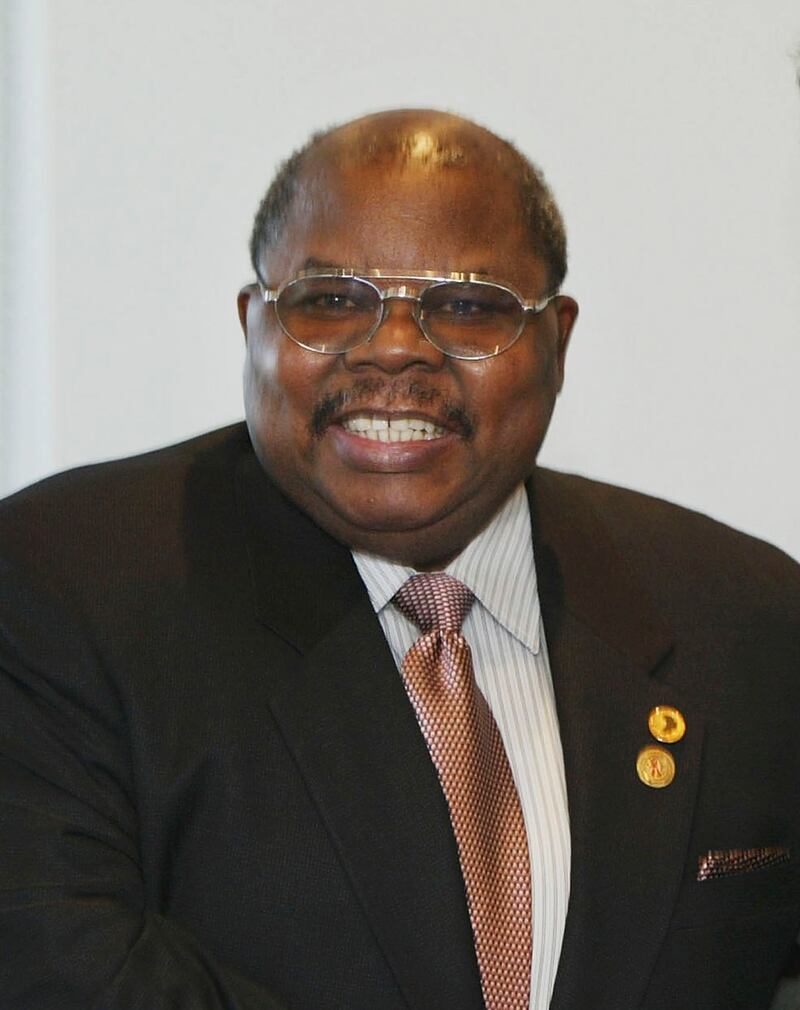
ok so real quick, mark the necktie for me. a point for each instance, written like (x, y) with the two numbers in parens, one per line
(467, 750)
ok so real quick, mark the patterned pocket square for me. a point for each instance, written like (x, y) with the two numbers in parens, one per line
(732, 862)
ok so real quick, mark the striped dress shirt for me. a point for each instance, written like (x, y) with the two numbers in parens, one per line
(509, 653)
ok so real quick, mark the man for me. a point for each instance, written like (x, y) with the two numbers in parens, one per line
(225, 782)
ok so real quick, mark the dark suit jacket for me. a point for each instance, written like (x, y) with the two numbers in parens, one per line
(215, 793)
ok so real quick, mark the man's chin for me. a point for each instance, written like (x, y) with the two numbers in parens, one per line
(415, 538)
(379, 522)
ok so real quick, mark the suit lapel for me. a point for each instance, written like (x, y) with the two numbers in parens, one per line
(342, 709)
(610, 657)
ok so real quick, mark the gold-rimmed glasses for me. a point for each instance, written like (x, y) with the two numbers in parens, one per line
(464, 315)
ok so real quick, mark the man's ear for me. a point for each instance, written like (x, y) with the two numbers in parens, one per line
(566, 314)
(243, 303)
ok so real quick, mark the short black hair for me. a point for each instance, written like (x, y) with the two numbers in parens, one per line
(537, 203)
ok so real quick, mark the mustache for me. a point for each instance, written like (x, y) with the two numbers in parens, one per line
(409, 392)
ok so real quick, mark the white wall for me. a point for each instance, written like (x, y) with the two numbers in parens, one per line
(140, 136)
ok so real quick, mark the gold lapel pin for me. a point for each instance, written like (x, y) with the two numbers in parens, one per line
(666, 724)
(655, 767)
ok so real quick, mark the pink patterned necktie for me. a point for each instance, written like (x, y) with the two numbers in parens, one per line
(467, 750)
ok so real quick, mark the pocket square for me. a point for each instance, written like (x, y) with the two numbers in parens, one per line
(732, 862)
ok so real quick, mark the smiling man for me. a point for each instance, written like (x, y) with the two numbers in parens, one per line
(384, 198)
(353, 706)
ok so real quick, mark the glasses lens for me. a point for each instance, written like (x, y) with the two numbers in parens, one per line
(470, 319)
(329, 314)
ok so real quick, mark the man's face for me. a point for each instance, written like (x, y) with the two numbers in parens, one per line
(417, 501)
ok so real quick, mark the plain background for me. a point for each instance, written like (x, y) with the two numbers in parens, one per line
(139, 136)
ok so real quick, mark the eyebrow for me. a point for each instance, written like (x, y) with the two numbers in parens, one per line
(312, 263)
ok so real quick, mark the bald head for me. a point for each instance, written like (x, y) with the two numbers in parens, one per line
(419, 141)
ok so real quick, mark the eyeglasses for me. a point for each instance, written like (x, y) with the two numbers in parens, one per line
(464, 315)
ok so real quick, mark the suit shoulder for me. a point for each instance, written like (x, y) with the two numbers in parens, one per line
(93, 483)
(665, 540)
(103, 507)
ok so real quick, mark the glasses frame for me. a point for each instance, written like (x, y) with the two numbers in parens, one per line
(421, 281)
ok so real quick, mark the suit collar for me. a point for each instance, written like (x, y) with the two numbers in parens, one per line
(290, 557)
(573, 549)
(581, 570)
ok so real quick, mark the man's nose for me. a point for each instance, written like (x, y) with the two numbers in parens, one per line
(397, 344)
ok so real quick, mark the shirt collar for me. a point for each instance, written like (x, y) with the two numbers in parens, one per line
(497, 565)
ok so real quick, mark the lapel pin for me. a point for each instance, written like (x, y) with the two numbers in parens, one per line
(655, 767)
(666, 724)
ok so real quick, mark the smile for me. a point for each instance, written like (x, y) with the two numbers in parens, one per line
(395, 429)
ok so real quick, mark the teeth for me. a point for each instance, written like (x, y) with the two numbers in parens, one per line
(358, 424)
(401, 429)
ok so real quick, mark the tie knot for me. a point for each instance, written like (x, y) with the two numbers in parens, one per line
(434, 600)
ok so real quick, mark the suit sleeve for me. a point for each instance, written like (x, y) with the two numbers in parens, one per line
(79, 928)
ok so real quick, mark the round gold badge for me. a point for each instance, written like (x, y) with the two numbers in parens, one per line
(666, 724)
(655, 767)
